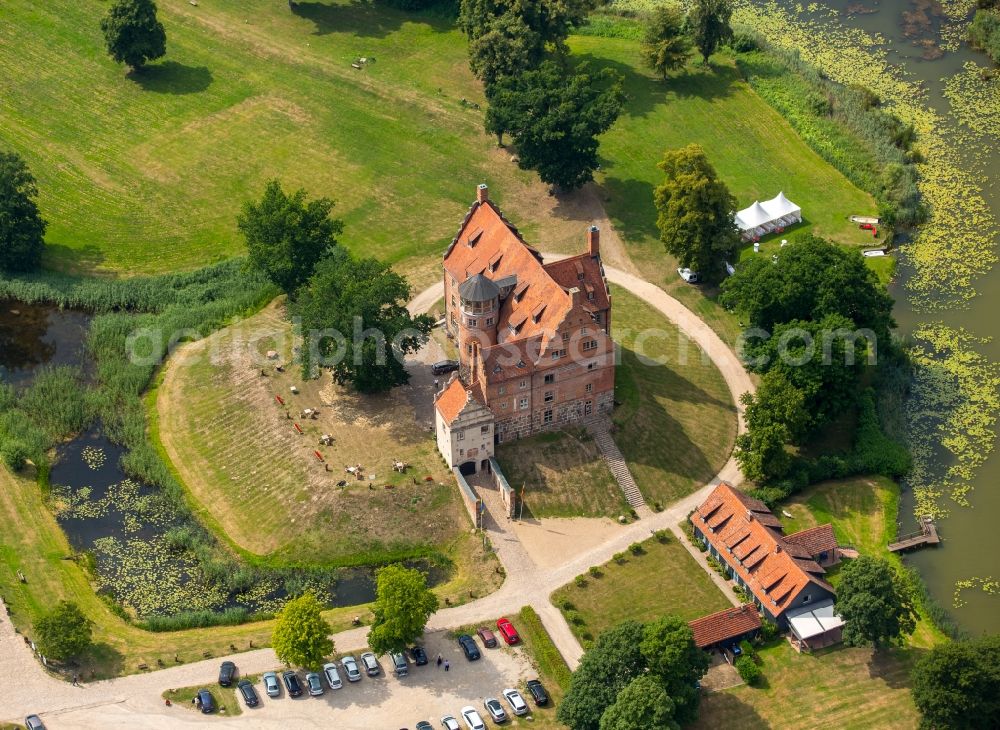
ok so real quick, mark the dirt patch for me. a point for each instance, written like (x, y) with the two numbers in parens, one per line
(549, 540)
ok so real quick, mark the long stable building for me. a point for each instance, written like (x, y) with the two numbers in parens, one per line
(783, 573)
(533, 338)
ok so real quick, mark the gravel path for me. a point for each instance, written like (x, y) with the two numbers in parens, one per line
(126, 701)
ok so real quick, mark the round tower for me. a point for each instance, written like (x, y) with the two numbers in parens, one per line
(478, 312)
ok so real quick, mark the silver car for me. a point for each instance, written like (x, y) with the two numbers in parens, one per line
(34, 722)
(495, 709)
(332, 676)
(472, 718)
(314, 684)
(370, 662)
(450, 723)
(517, 704)
(350, 665)
(271, 685)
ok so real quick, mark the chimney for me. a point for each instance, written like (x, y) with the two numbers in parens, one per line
(482, 193)
(594, 241)
(574, 295)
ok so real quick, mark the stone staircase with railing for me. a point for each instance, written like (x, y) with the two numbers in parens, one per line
(600, 431)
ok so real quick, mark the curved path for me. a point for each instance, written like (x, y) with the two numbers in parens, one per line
(126, 700)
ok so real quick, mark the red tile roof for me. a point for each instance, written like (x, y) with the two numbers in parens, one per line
(452, 400)
(744, 530)
(815, 540)
(724, 625)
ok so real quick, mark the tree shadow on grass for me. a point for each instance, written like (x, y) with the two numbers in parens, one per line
(725, 709)
(171, 77)
(73, 260)
(366, 19)
(635, 196)
(893, 666)
(100, 662)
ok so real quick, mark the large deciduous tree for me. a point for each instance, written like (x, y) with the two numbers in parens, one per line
(355, 321)
(507, 47)
(555, 119)
(642, 705)
(956, 685)
(696, 212)
(677, 662)
(287, 235)
(132, 32)
(605, 670)
(875, 601)
(301, 635)
(811, 279)
(708, 21)
(22, 228)
(666, 45)
(551, 21)
(403, 603)
(775, 415)
(64, 632)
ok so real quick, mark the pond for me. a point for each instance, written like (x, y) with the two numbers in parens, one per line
(130, 530)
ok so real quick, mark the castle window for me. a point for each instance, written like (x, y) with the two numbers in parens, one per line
(489, 321)
(523, 384)
(550, 395)
(469, 349)
(591, 365)
(565, 336)
(460, 435)
(503, 405)
(524, 403)
(550, 378)
(547, 417)
(590, 387)
(556, 354)
(589, 345)
(590, 295)
(502, 389)
(472, 322)
(484, 429)
(583, 330)
(496, 371)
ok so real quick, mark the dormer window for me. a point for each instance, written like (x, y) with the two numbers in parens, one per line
(537, 312)
(579, 271)
(520, 290)
(495, 262)
(474, 238)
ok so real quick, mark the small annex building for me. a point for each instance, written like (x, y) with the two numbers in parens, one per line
(781, 572)
(762, 218)
(464, 428)
(725, 627)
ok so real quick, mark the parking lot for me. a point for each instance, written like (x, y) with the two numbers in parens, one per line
(373, 703)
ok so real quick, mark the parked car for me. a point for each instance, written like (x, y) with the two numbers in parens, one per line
(248, 693)
(399, 665)
(444, 367)
(419, 656)
(226, 673)
(507, 631)
(472, 718)
(314, 684)
(517, 704)
(424, 725)
(450, 723)
(734, 649)
(538, 693)
(488, 638)
(34, 722)
(206, 702)
(691, 277)
(271, 686)
(495, 709)
(332, 676)
(370, 662)
(469, 647)
(350, 665)
(291, 680)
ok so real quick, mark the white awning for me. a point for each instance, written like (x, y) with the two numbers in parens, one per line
(810, 621)
(752, 217)
(780, 206)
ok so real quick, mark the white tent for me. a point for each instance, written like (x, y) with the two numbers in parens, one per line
(762, 218)
(819, 624)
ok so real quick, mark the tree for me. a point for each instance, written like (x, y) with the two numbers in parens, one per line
(64, 632)
(403, 603)
(775, 415)
(354, 315)
(507, 47)
(22, 228)
(875, 601)
(287, 236)
(957, 685)
(132, 32)
(550, 20)
(301, 635)
(665, 46)
(823, 360)
(709, 24)
(812, 278)
(748, 669)
(555, 119)
(642, 705)
(606, 668)
(671, 654)
(696, 212)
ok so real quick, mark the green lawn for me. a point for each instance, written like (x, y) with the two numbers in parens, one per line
(226, 703)
(147, 173)
(563, 475)
(837, 689)
(664, 579)
(677, 423)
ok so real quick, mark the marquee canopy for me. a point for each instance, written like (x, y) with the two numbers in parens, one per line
(762, 218)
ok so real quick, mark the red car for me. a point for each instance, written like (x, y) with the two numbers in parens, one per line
(507, 631)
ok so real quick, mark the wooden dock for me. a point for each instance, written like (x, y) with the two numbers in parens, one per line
(927, 535)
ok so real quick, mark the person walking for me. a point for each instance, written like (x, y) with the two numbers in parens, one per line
(447, 666)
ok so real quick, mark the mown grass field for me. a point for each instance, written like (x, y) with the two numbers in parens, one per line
(836, 689)
(676, 424)
(663, 580)
(146, 173)
(563, 475)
